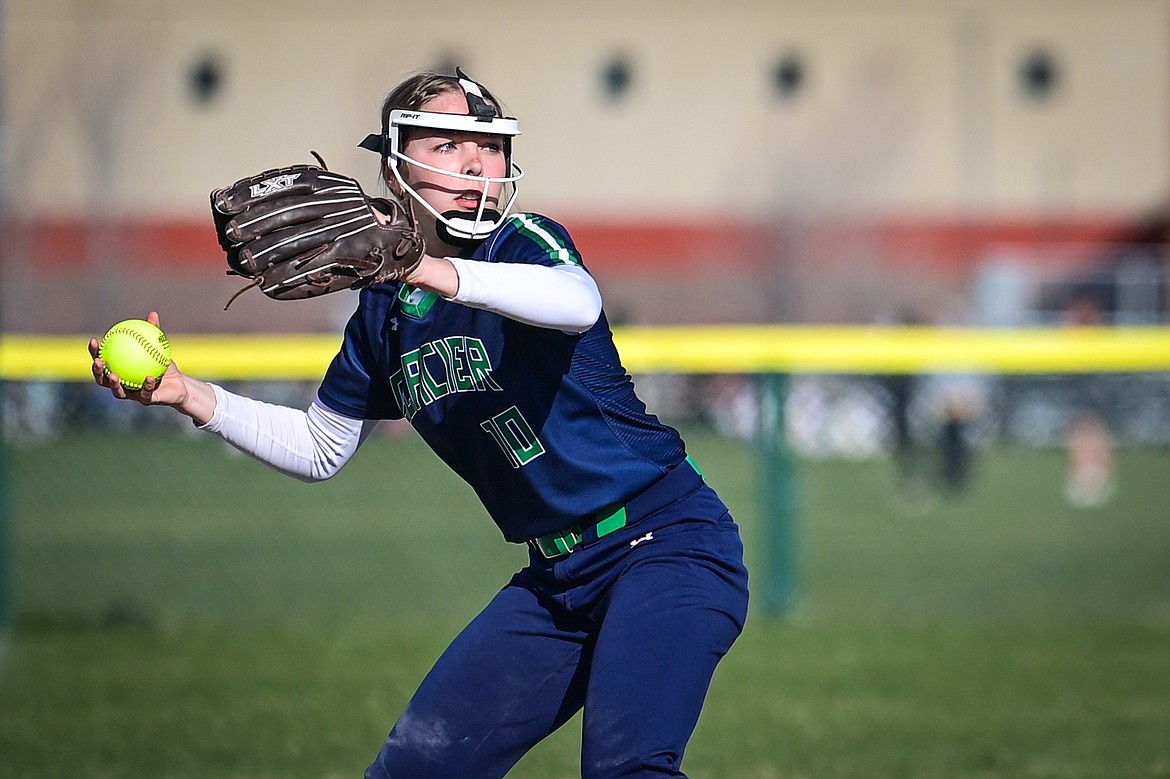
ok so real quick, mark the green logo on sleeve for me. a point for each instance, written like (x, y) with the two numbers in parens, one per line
(415, 302)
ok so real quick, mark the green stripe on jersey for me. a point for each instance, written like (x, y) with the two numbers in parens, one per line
(558, 252)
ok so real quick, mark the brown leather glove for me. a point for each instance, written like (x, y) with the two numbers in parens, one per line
(304, 231)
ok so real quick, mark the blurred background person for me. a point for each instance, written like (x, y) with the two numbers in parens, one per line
(1090, 479)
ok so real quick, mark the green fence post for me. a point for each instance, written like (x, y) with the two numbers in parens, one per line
(6, 553)
(777, 496)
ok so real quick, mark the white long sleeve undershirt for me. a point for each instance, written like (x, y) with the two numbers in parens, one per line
(310, 445)
(563, 297)
(314, 444)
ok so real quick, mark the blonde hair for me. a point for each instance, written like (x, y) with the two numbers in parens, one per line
(411, 95)
(414, 92)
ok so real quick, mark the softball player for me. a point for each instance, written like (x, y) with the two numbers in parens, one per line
(497, 351)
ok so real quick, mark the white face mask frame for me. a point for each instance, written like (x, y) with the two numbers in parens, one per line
(460, 227)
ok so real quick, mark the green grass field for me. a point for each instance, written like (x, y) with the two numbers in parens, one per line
(226, 621)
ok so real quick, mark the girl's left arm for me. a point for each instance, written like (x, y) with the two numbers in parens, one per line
(561, 297)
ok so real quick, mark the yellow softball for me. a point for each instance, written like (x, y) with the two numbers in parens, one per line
(135, 349)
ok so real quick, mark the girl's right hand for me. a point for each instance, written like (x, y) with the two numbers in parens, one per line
(168, 390)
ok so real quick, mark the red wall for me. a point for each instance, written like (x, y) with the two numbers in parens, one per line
(616, 248)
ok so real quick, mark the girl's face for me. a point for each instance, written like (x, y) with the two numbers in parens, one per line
(473, 154)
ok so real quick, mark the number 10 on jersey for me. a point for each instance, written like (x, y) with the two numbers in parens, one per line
(515, 436)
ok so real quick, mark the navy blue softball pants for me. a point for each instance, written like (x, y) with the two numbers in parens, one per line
(628, 627)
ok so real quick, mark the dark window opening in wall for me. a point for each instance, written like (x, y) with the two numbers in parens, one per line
(617, 77)
(1039, 75)
(788, 76)
(205, 80)
(447, 63)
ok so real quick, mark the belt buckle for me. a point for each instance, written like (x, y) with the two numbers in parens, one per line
(555, 545)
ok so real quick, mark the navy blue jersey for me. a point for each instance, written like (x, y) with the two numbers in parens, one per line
(544, 425)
